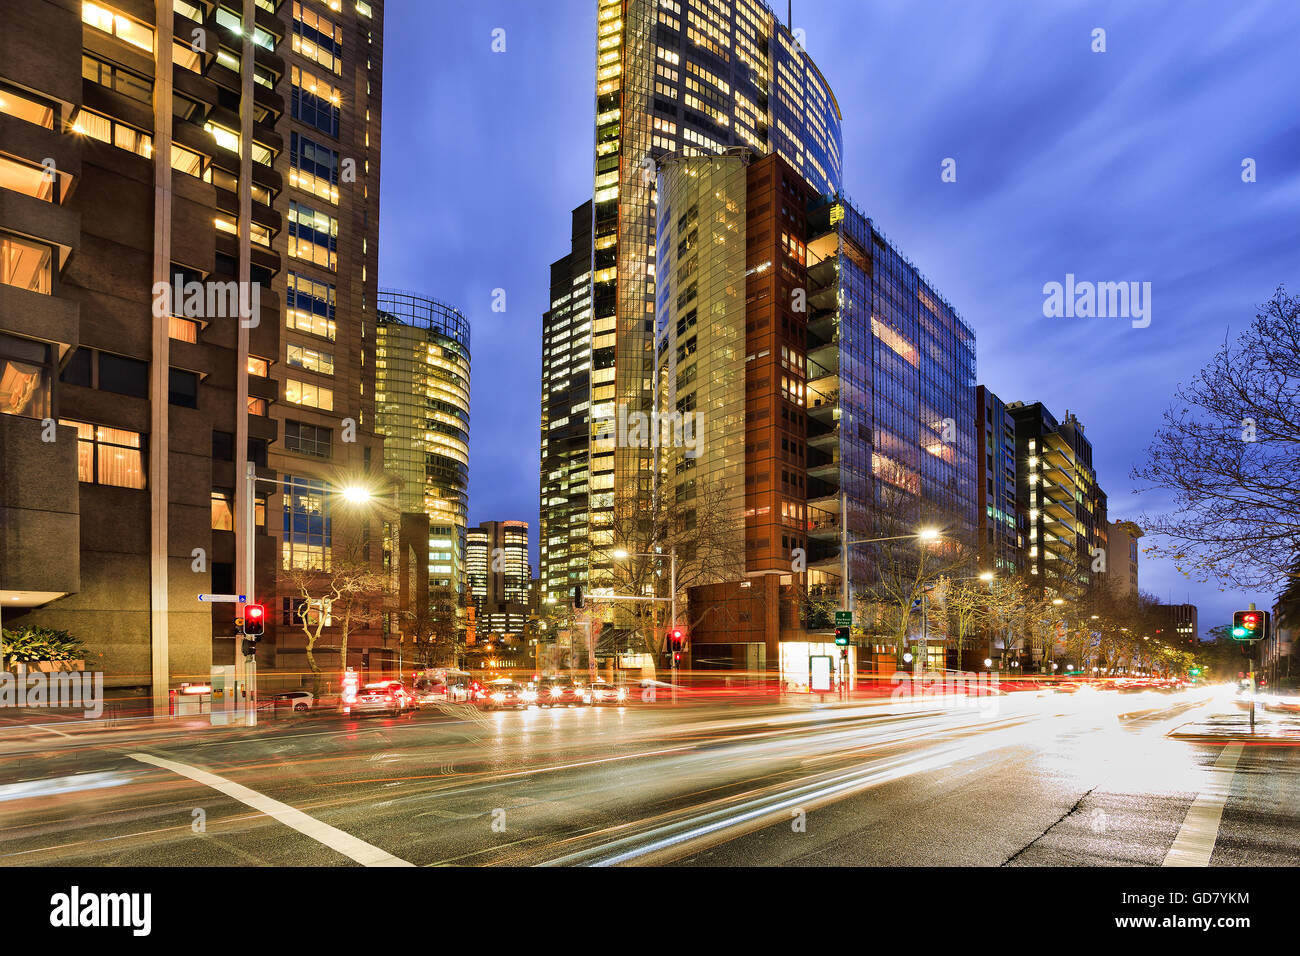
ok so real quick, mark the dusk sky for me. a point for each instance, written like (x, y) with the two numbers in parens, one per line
(1117, 166)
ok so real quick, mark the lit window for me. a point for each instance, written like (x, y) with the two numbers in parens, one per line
(108, 456)
(115, 24)
(258, 366)
(34, 181)
(308, 394)
(25, 264)
(183, 330)
(26, 107)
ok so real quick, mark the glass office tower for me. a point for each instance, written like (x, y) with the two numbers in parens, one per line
(672, 76)
(422, 369)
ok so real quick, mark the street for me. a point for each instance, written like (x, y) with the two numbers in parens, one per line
(1093, 778)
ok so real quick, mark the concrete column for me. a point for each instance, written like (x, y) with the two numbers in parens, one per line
(159, 446)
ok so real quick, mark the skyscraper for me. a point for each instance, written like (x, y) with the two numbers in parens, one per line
(498, 576)
(170, 173)
(831, 390)
(670, 77)
(422, 372)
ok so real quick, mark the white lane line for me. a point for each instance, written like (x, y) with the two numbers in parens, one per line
(1194, 844)
(332, 837)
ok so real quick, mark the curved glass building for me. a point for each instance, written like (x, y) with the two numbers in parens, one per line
(422, 409)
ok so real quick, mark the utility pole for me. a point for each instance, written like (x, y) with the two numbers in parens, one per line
(250, 550)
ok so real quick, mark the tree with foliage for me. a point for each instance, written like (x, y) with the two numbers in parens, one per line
(1228, 453)
(348, 596)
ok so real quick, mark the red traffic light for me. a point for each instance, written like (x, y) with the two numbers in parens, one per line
(254, 620)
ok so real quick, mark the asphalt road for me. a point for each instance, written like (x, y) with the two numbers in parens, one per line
(1023, 780)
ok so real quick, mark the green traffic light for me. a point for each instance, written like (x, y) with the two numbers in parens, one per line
(1238, 632)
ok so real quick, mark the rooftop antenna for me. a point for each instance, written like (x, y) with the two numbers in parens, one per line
(789, 15)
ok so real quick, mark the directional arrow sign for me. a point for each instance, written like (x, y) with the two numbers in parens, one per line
(224, 598)
(843, 618)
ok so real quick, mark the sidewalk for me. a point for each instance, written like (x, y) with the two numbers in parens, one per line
(1227, 722)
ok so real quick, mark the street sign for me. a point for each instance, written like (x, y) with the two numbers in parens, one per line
(843, 618)
(224, 598)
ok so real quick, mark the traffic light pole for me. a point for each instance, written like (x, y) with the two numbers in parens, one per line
(250, 551)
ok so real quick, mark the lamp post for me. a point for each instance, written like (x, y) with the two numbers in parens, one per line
(353, 494)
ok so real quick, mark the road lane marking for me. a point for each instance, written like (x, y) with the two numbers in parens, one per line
(1194, 844)
(332, 837)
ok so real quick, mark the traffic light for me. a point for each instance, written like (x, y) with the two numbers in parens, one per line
(677, 638)
(1249, 625)
(842, 636)
(577, 597)
(254, 620)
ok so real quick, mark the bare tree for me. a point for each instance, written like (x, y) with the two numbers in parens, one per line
(708, 537)
(904, 569)
(1228, 451)
(346, 596)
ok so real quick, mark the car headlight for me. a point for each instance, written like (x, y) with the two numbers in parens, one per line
(557, 692)
(498, 697)
(622, 694)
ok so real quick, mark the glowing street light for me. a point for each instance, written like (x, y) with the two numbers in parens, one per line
(928, 534)
(354, 494)
(986, 576)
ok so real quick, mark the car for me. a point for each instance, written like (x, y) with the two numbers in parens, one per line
(503, 693)
(385, 696)
(603, 692)
(299, 701)
(560, 691)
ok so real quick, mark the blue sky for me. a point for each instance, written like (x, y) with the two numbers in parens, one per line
(1115, 166)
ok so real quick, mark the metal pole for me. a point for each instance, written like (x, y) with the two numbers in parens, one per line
(250, 551)
(844, 551)
(672, 587)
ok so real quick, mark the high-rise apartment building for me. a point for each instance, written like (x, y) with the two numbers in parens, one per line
(1000, 537)
(832, 391)
(188, 213)
(422, 372)
(498, 577)
(671, 77)
(1064, 507)
(332, 75)
(1179, 625)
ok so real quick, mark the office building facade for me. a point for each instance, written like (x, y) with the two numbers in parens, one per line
(836, 395)
(422, 392)
(672, 77)
(1122, 559)
(498, 577)
(152, 220)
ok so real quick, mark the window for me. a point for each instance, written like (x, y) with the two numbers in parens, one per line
(258, 366)
(310, 306)
(313, 236)
(308, 439)
(125, 376)
(306, 539)
(34, 181)
(257, 406)
(223, 446)
(112, 22)
(313, 167)
(108, 130)
(26, 107)
(183, 330)
(316, 38)
(315, 102)
(108, 456)
(26, 264)
(116, 78)
(308, 394)
(223, 510)
(26, 371)
(313, 360)
(187, 161)
(182, 388)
